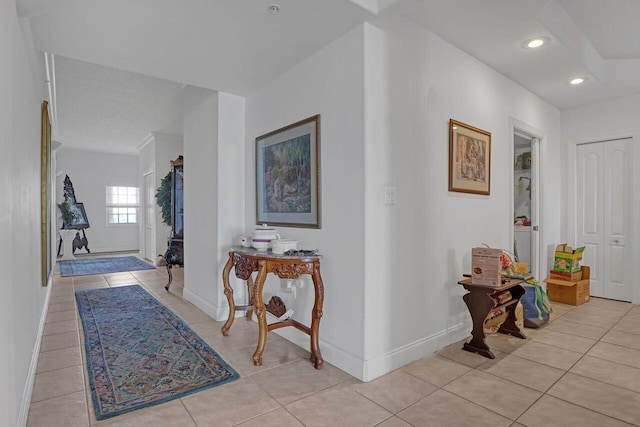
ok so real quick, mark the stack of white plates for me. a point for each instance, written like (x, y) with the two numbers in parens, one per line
(280, 246)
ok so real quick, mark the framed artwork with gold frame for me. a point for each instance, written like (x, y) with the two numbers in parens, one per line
(469, 159)
(45, 195)
(288, 175)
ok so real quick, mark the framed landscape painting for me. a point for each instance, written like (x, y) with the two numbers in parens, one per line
(45, 194)
(469, 159)
(79, 220)
(288, 175)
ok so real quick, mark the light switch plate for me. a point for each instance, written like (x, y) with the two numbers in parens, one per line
(389, 195)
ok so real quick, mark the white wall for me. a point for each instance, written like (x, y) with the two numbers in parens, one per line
(213, 193)
(618, 118)
(200, 114)
(329, 83)
(231, 189)
(391, 271)
(23, 301)
(604, 119)
(418, 249)
(90, 172)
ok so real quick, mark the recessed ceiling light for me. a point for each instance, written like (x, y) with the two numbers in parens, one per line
(577, 80)
(535, 42)
(273, 9)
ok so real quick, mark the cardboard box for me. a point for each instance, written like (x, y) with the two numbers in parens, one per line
(560, 275)
(567, 259)
(570, 292)
(486, 266)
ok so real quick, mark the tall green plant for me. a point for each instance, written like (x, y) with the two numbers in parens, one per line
(68, 216)
(163, 198)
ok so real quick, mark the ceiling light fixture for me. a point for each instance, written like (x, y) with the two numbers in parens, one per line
(577, 80)
(273, 9)
(535, 42)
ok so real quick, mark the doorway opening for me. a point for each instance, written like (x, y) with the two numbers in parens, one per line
(149, 219)
(525, 204)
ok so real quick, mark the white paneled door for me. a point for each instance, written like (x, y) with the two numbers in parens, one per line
(603, 215)
(149, 216)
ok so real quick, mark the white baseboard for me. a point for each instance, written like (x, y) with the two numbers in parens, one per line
(336, 356)
(371, 369)
(378, 366)
(218, 313)
(31, 375)
(101, 250)
(364, 370)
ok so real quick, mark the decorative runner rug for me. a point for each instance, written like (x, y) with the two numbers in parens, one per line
(140, 354)
(82, 267)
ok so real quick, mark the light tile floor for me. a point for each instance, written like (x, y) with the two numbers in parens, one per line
(582, 369)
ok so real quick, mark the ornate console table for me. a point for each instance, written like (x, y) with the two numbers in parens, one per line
(245, 261)
(482, 300)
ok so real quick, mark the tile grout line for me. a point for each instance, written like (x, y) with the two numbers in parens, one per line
(188, 412)
(567, 371)
(476, 368)
(542, 393)
(88, 398)
(462, 397)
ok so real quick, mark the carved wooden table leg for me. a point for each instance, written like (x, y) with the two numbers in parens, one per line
(229, 293)
(261, 313)
(316, 315)
(479, 304)
(250, 296)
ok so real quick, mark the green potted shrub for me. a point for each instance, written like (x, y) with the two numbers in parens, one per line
(68, 215)
(163, 198)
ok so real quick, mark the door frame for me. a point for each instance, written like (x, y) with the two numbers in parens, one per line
(149, 253)
(538, 242)
(572, 201)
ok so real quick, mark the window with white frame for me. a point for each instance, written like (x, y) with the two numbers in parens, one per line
(122, 205)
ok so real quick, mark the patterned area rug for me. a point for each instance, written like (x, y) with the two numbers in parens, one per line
(82, 267)
(140, 354)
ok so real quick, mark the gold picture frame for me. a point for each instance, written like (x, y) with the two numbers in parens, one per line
(45, 195)
(469, 159)
(288, 175)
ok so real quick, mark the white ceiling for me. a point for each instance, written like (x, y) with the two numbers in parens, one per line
(587, 37)
(105, 109)
(120, 64)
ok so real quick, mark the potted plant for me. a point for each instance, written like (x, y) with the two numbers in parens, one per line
(67, 232)
(67, 214)
(163, 198)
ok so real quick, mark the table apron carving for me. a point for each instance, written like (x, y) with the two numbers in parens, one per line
(244, 267)
(287, 270)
